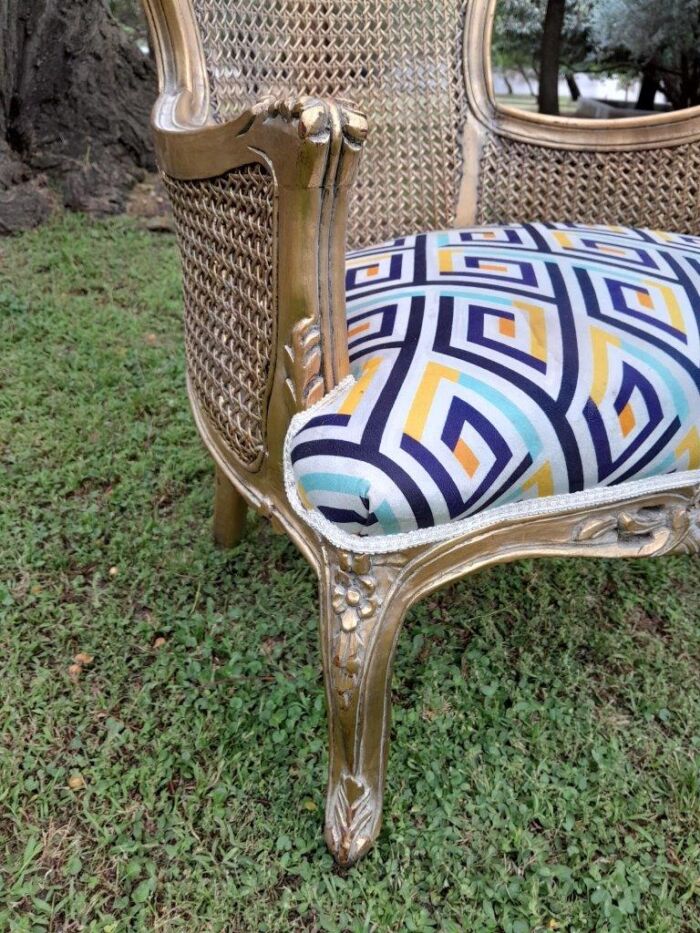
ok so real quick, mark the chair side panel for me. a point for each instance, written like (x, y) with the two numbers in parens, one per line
(226, 235)
(657, 188)
(399, 61)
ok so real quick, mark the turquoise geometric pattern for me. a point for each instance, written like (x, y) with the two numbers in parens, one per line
(497, 364)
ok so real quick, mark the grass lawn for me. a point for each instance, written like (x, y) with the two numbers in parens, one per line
(545, 769)
(529, 103)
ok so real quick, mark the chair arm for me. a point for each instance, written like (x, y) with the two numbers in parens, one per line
(308, 150)
(300, 137)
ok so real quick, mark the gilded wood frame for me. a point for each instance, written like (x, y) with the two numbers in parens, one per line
(311, 147)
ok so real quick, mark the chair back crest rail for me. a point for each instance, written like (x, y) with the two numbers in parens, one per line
(264, 319)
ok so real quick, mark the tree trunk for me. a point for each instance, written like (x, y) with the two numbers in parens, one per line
(574, 89)
(649, 88)
(550, 56)
(689, 91)
(75, 94)
(526, 78)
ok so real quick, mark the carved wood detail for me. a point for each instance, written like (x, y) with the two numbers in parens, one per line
(349, 825)
(305, 385)
(363, 615)
(662, 529)
(355, 603)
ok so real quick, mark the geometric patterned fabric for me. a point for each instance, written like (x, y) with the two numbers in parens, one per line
(497, 364)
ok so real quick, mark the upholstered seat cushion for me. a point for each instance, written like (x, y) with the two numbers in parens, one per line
(498, 364)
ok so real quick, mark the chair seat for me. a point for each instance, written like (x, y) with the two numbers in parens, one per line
(497, 364)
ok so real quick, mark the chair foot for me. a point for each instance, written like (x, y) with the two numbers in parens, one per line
(362, 608)
(229, 512)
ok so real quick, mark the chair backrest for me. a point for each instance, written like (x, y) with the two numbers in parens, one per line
(639, 172)
(421, 71)
(399, 61)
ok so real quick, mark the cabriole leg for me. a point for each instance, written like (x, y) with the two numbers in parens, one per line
(229, 512)
(362, 607)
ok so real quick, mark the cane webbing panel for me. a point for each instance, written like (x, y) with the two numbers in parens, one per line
(399, 61)
(226, 234)
(657, 188)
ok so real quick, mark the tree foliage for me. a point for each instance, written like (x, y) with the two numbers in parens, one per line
(518, 33)
(657, 41)
(129, 14)
(663, 36)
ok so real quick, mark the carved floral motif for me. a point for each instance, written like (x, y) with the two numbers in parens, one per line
(354, 602)
(311, 115)
(354, 590)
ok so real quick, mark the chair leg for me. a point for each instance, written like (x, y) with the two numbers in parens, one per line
(229, 512)
(361, 613)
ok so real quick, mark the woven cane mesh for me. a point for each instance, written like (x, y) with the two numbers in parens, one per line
(399, 61)
(225, 229)
(657, 188)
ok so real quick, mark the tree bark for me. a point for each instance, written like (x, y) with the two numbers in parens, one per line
(574, 89)
(75, 95)
(648, 88)
(550, 57)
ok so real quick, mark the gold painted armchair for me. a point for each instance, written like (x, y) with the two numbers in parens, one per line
(501, 377)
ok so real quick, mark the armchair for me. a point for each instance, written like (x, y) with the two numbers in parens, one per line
(529, 388)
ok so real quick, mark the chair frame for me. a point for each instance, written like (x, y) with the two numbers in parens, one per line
(312, 147)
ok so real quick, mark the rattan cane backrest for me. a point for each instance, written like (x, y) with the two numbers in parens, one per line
(658, 188)
(399, 61)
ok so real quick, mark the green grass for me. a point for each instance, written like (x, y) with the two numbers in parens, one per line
(545, 769)
(528, 102)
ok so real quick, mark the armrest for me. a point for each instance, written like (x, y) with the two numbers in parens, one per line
(309, 148)
(300, 137)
